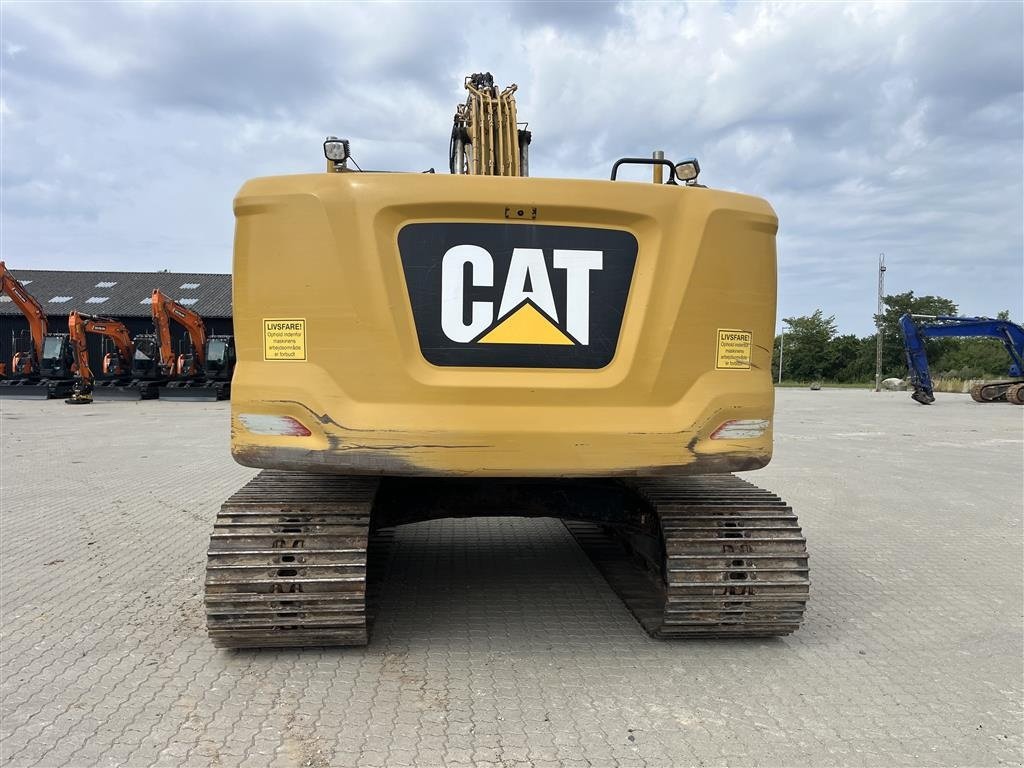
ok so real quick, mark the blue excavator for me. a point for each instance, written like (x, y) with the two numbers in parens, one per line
(917, 328)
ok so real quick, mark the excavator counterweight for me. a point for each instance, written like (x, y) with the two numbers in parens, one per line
(416, 346)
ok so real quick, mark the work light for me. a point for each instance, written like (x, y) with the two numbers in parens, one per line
(688, 169)
(335, 149)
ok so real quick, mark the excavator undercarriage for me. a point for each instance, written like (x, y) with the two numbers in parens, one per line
(1011, 391)
(294, 557)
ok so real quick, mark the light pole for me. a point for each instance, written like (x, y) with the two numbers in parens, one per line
(878, 323)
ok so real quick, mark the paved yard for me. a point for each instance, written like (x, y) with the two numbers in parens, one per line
(497, 642)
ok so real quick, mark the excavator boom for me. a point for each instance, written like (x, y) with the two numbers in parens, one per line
(165, 309)
(32, 311)
(80, 349)
(915, 332)
(486, 139)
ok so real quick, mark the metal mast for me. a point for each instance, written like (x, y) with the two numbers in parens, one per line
(878, 323)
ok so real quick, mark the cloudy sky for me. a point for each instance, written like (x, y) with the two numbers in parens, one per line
(128, 128)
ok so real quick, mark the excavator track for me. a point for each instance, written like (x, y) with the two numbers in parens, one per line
(1015, 394)
(713, 556)
(287, 564)
(997, 392)
(292, 560)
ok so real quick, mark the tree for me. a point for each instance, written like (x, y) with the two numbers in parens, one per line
(972, 359)
(854, 358)
(808, 353)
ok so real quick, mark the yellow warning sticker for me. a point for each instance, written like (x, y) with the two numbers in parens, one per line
(284, 338)
(733, 350)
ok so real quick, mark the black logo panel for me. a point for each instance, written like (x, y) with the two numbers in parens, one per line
(517, 295)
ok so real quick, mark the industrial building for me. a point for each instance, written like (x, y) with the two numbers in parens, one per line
(124, 296)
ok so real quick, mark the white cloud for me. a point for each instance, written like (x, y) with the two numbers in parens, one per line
(870, 127)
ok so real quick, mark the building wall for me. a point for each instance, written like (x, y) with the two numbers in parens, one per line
(15, 326)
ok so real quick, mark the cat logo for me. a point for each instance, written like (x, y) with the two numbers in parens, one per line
(517, 295)
(527, 313)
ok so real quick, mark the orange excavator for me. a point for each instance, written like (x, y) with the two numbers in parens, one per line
(43, 368)
(164, 310)
(116, 364)
(204, 374)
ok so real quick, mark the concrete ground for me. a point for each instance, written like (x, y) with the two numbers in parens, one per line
(497, 643)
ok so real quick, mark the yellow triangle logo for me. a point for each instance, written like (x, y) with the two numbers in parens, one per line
(527, 325)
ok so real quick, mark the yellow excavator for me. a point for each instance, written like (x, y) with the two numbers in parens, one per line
(414, 346)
